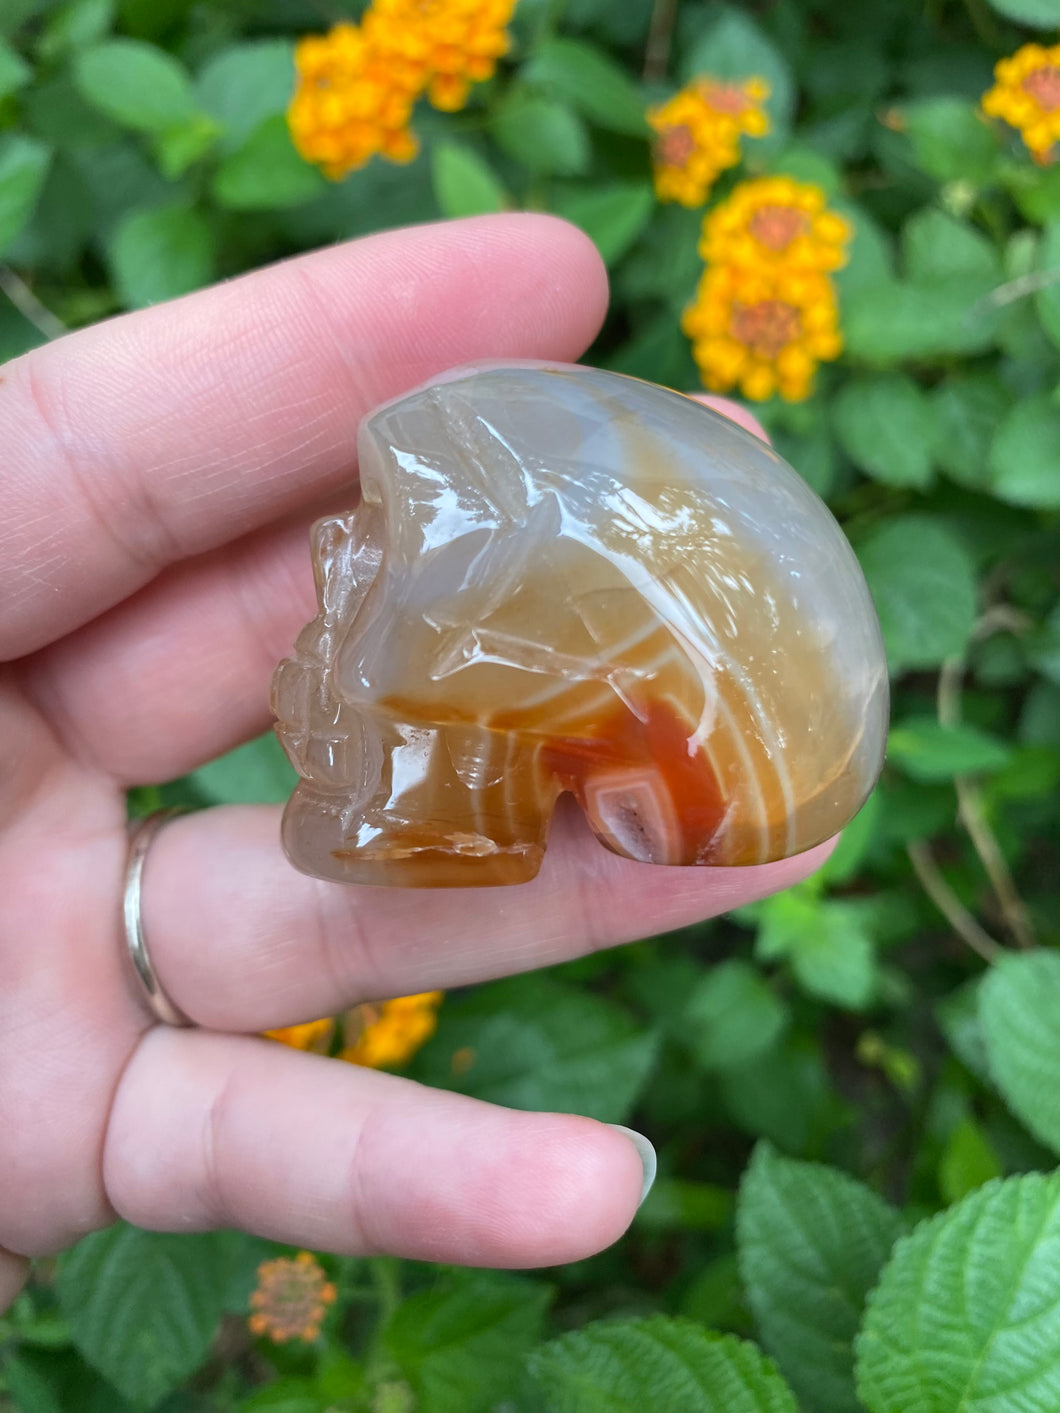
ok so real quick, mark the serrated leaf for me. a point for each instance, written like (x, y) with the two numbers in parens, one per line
(590, 81)
(958, 1018)
(886, 427)
(951, 140)
(732, 1015)
(160, 254)
(926, 750)
(266, 173)
(138, 85)
(1044, 13)
(1025, 454)
(923, 583)
(143, 1306)
(612, 217)
(965, 1316)
(462, 1345)
(1019, 1002)
(812, 1242)
(535, 1043)
(889, 322)
(660, 1363)
(464, 182)
(784, 1095)
(24, 164)
(242, 85)
(936, 246)
(542, 135)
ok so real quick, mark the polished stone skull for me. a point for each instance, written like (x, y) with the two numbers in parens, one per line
(562, 579)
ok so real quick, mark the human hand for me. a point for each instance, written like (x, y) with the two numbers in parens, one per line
(159, 475)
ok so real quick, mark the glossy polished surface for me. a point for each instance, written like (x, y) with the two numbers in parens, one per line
(561, 579)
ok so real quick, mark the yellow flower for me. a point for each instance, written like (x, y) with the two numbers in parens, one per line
(349, 103)
(387, 1034)
(763, 329)
(773, 221)
(699, 132)
(311, 1035)
(290, 1299)
(441, 46)
(1027, 96)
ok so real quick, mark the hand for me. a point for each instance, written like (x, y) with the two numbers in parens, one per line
(159, 475)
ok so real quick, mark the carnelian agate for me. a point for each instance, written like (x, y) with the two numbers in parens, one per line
(560, 579)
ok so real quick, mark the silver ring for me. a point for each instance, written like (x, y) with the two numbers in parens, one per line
(152, 993)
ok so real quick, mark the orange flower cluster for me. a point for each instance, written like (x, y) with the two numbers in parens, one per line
(380, 1035)
(357, 85)
(698, 135)
(291, 1298)
(1027, 96)
(766, 312)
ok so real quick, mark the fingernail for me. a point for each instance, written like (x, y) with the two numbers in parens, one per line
(646, 1154)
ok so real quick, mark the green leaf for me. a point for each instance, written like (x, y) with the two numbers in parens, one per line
(951, 140)
(464, 182)
(1024, 468)
(926, 750)
(967, 1162)
(160, 254)
(1048, 298)
(542, 135)
(30, 1390)
(687, 1205)
(827, 943)
(23, 166)
(660, 1363)
(242, 85)
(936, 246)
(535, 1043)
(179, 147)
(257, 772)
(143, 1306)
(812, 1243)
(966, 1312)
(895, 320)
(136, 84)
(1044, 13)
(784, 1095)
(591, 82)
(1019, 1002)
(462, 1345)
(612, 216)
(733, 46)
(969, 408)
(923, 583)
(74, 26)
(266, 172)
(732, 1015)
(14, 71)
(885, 425)
(958, 1018)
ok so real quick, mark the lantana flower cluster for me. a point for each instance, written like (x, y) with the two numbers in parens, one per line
(698, 134)
(358, 84)
(766, 311)
(290, 1299)
(377, 1034)
(1027, 96)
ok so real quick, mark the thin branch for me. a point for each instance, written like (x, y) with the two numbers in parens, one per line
(948, 904)
(27, 304)
(660, 37)
(970, 808)
(1022, 286)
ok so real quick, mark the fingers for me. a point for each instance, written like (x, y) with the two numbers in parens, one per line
(13, 1273)
(218, 1131)
(241, 941)
(157, 436)
(180, 672)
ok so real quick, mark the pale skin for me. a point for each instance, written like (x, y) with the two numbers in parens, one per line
(158, 476)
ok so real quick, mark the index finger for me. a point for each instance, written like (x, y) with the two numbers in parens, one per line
(168, 432)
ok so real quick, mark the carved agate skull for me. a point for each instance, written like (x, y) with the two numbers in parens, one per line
(562, 579)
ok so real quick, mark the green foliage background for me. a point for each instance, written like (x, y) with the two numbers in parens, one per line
(854, 1087)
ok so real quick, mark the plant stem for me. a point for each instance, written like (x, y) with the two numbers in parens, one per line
(27, 304)
(660, 37)
(948, 904)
